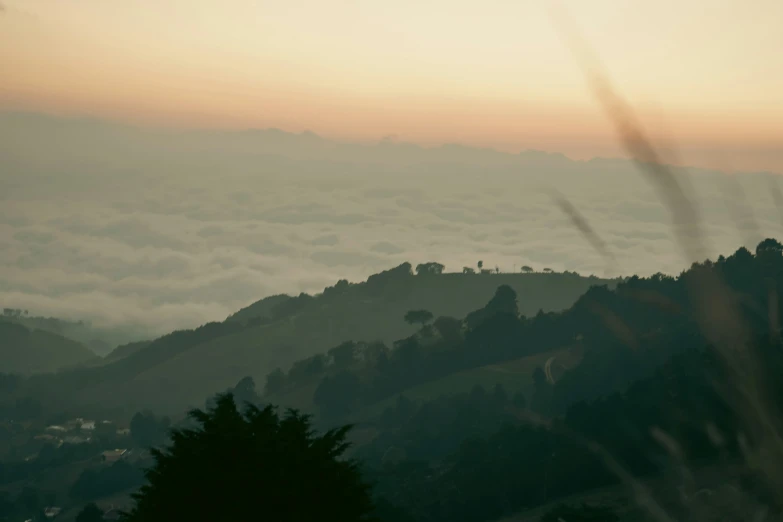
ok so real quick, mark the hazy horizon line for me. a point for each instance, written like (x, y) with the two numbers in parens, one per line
(390, 139)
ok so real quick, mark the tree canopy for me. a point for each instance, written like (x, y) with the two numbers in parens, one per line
(431, 268)
(249, 466)
(418, 317)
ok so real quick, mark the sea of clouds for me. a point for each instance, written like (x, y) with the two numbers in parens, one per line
(155, 231)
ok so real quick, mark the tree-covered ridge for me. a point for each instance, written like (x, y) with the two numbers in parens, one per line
(673, 419)
(177, 370)
(538, 292)
(665, 398)
(625, 332)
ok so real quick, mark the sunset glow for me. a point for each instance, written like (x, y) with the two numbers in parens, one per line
(705, 77)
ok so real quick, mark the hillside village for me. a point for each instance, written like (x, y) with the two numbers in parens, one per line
(96, 453)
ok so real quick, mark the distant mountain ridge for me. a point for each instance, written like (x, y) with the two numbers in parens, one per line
(28, 351)
(101, 341)
(66, 137)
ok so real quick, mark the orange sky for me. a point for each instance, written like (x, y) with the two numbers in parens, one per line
(706, 76)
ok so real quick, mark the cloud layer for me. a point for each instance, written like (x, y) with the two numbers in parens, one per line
(159, 234)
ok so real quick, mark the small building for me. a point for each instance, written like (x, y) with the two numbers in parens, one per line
(52, 512)
(88, 425)
(113, 455)
(138, 455)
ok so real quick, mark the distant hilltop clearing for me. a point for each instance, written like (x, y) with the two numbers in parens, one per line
(538, 289)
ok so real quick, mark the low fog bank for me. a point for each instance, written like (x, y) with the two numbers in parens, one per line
(157, 230)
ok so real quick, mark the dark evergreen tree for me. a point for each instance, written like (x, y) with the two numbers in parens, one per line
(252, 466)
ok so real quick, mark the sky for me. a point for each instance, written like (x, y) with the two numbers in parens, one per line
(704, 75)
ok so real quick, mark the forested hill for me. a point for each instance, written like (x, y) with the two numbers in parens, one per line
(600, 345)
(101, 341)
(389, 294)
(656, 391)
(650, 386)
(28, 351)
(179, 369)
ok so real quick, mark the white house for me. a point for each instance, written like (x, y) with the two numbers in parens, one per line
(113, 455)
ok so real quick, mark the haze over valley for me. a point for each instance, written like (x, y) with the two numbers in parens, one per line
(147, 231)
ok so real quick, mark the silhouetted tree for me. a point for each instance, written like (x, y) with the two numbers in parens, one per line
(769, 245)
(303, 371)
(418, 317)
(291, 307)
(449, 328)
(250, 466)
(527, 269)
(275, 382)
(503, 302)
(548, 270)
(343, 355)
(339, 288)
(480, 265)
(245, 391)
(468, 270)
(431, 268)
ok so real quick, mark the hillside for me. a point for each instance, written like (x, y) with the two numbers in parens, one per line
(448, 294)
(124, 351)
(179, 370)
(515, 376)
(32, 351)
(497, 405)
(101, 341)
(719, 497)
(260, 309)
